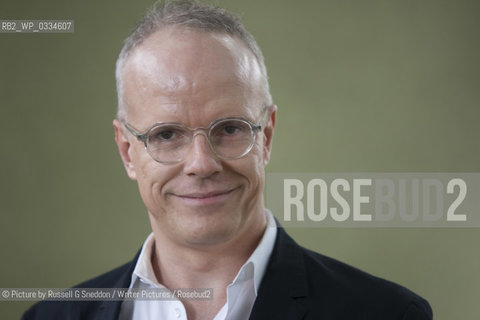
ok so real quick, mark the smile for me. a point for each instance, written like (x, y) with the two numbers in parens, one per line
(201, 198)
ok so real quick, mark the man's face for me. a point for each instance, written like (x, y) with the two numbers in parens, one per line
(194, 78)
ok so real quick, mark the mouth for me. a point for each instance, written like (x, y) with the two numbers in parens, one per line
(204, 198)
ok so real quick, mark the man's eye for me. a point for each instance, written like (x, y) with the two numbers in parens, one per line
(165, 135)
(162, 135)
(229, 130)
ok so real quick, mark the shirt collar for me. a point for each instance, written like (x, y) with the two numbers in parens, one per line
(256, 264)
(144, 269)
(254, 267)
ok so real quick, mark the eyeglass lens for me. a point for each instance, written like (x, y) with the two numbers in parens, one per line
(228, 138)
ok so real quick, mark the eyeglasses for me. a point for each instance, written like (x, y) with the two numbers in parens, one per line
(228, 138)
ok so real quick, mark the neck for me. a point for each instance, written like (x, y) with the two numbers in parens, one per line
(181, 265)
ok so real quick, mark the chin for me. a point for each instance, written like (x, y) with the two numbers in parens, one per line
(209, 232)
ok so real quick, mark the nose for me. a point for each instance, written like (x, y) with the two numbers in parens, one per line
(201, 161)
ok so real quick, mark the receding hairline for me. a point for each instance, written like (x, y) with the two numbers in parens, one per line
(247, 69)
(177, 32)
(189, 15)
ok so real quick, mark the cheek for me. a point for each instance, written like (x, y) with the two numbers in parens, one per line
(151, 178)
(254, 167)
(258, 153)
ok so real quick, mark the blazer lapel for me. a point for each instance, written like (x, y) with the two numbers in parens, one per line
(110, 310)
(284, 285)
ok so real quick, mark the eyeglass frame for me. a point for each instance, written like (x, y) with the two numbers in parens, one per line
(254, 128)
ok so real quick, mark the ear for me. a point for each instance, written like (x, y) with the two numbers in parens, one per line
(124, 148)
(268, 133)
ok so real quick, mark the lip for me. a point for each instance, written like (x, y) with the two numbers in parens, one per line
(204, 198)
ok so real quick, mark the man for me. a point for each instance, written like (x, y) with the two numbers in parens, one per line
(194, 128)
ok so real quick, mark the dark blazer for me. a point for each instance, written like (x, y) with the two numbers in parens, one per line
(298, 284)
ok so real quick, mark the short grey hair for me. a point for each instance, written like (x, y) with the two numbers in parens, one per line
(188, 14)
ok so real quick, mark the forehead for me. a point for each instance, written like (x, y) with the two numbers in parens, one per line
(185, 71)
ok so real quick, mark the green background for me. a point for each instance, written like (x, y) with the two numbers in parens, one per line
(362, 86)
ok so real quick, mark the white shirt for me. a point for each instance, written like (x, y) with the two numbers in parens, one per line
(241, 293)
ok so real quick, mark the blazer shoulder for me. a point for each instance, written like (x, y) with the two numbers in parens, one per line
(116, 278)
(303, 284)
(364, 292)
